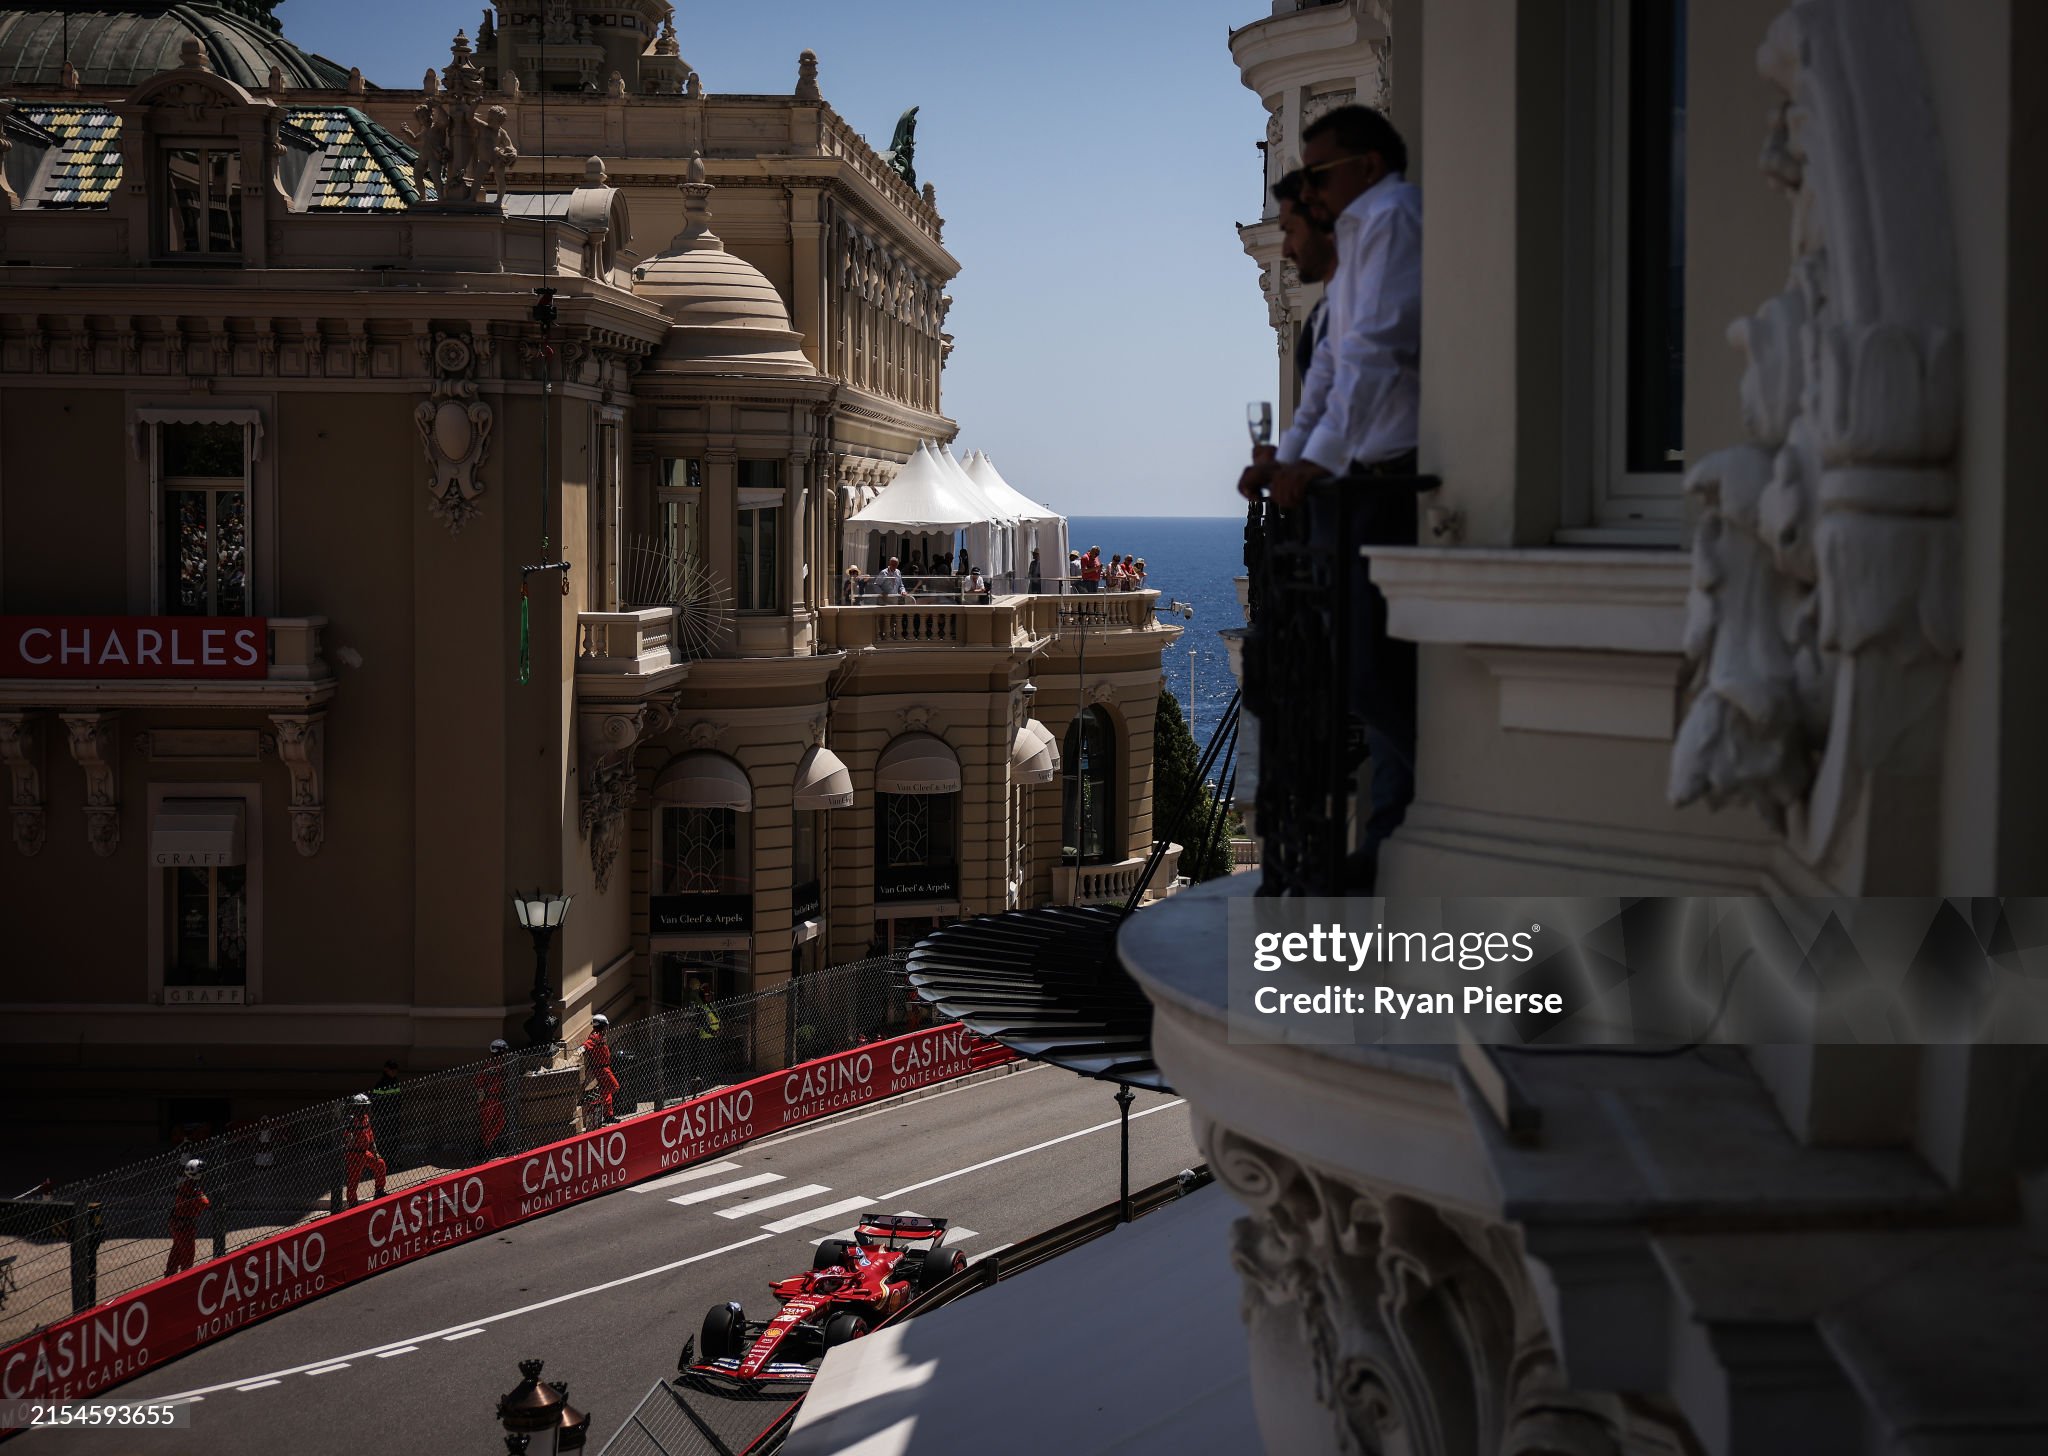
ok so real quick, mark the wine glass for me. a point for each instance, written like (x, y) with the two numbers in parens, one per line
(1259, 420)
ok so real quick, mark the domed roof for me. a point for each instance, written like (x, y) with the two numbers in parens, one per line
(728, 316)
(116, 44)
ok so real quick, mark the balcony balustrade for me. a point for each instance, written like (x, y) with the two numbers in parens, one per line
(1111, 884)
(636, 643)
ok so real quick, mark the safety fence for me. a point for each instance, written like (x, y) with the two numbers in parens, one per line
(129, 1336)
(91, 1241)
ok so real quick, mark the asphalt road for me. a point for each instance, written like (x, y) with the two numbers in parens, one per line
(606, 1291)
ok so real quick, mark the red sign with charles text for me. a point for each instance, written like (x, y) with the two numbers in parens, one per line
(134, 647)
(133, 1334)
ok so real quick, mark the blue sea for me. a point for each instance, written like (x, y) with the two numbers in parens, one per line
(1195, 559)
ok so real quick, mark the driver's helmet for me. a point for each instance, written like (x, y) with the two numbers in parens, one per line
(501, 1045)
(361, 1099)
(830, 1281)
(600, 1022)
(194, 1166)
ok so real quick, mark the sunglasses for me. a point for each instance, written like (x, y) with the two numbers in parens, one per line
(1311, 177)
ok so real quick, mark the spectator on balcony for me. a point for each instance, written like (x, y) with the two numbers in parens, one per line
(1034, 580)
(1138, 575)
(976, 587)
(1357, 423)
(1073, 577)
(890, 580)
(1091, 570)
(854, 588)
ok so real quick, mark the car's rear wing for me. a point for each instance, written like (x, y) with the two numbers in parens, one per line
(900, 1226)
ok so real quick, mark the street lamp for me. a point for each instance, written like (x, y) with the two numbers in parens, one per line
(541, 916)
(534, 1408)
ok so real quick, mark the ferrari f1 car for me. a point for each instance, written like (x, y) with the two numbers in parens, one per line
(853, 1285)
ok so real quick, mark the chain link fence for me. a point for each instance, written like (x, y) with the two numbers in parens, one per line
(100, 1237)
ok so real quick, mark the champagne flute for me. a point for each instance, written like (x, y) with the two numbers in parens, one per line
(1259, 420)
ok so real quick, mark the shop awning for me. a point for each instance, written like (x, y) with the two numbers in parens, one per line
(918, 763)
(197, 832)
(705, 781)
(1051, 739)
(822, 781)
(1031, 759)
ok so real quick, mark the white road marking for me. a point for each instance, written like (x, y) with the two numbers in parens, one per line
(774, 1200)
(462, 1335)
(688, 1175)
(1035, 1147)
(322, 1367)
(823, 1215)
(401, 1350)
(957, 1235)
(705, 1195)
(183, 1400)
(260, 1385)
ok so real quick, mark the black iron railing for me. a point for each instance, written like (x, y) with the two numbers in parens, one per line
(1301, 681)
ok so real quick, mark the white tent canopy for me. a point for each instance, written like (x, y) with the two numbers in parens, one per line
(922, 509)
(937, 505)
(1039, 527)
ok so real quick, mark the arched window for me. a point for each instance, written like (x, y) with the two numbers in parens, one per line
(1088, 767)
(917, 821)
(703, 862)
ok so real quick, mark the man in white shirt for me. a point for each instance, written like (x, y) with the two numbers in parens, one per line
(890, 579)
(1357, 420)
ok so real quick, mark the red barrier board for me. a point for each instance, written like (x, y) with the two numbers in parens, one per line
(125, 1337)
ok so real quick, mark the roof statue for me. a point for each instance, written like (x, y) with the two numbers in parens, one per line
(458, 145)
(903, 147)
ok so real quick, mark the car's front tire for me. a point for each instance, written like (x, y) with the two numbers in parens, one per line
(725, 1331)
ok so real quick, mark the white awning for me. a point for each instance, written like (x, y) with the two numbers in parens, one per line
(705, 781)
(197, 832)
(1031, 756)
(822, 781)
(918, 763)
(1051, 741)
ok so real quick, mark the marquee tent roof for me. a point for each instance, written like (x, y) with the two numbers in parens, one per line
(982, 471)
(924, 496)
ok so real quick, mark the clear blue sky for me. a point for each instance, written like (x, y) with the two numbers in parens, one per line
(1091, 158)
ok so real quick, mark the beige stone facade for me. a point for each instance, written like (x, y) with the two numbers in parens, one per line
(237, 384)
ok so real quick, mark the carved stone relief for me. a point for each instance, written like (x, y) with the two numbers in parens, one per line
(1382, 1323)
(455, 428)
(96, 749)
(1314, 108)
(21, 749)
(612, 788)
(1826, 611)
(302, 747)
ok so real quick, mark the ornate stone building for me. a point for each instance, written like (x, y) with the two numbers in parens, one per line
(396, 512)
(1727, 590)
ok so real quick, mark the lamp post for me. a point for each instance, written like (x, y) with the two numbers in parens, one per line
(535, 1408)
(541, 916)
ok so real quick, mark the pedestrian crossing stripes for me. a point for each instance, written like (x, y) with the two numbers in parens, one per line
(734, 1181)
(774, 1200)
(719, 1190)
(688, 1175)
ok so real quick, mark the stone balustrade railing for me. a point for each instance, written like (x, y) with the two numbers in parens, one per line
(914, 624)
(1111, 884)
(625, 644)
(1046, 616)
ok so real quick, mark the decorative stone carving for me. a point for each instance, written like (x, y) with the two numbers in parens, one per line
(704, 733)
(1383, 75)
(455, 143)
(1315, 108)
(302, 747)
(504, 151)
(1825, 611)
(455, 428)
(603, 818)
(1102, 692)
(1383, 1323)
(807, 77)
(96, 749)
(916, 719)
(557, 22)
(21, 749)
(615, 86)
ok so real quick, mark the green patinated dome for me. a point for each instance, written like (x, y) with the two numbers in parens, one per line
(115, 44)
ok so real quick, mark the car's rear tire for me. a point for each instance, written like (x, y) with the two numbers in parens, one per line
(832, 1254)
(843, 1328)
(939, 1265)
(725, 1331)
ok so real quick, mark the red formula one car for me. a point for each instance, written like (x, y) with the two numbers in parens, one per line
(853, 1285)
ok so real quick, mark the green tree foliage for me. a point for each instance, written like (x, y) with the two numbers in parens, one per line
(1175, 760)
